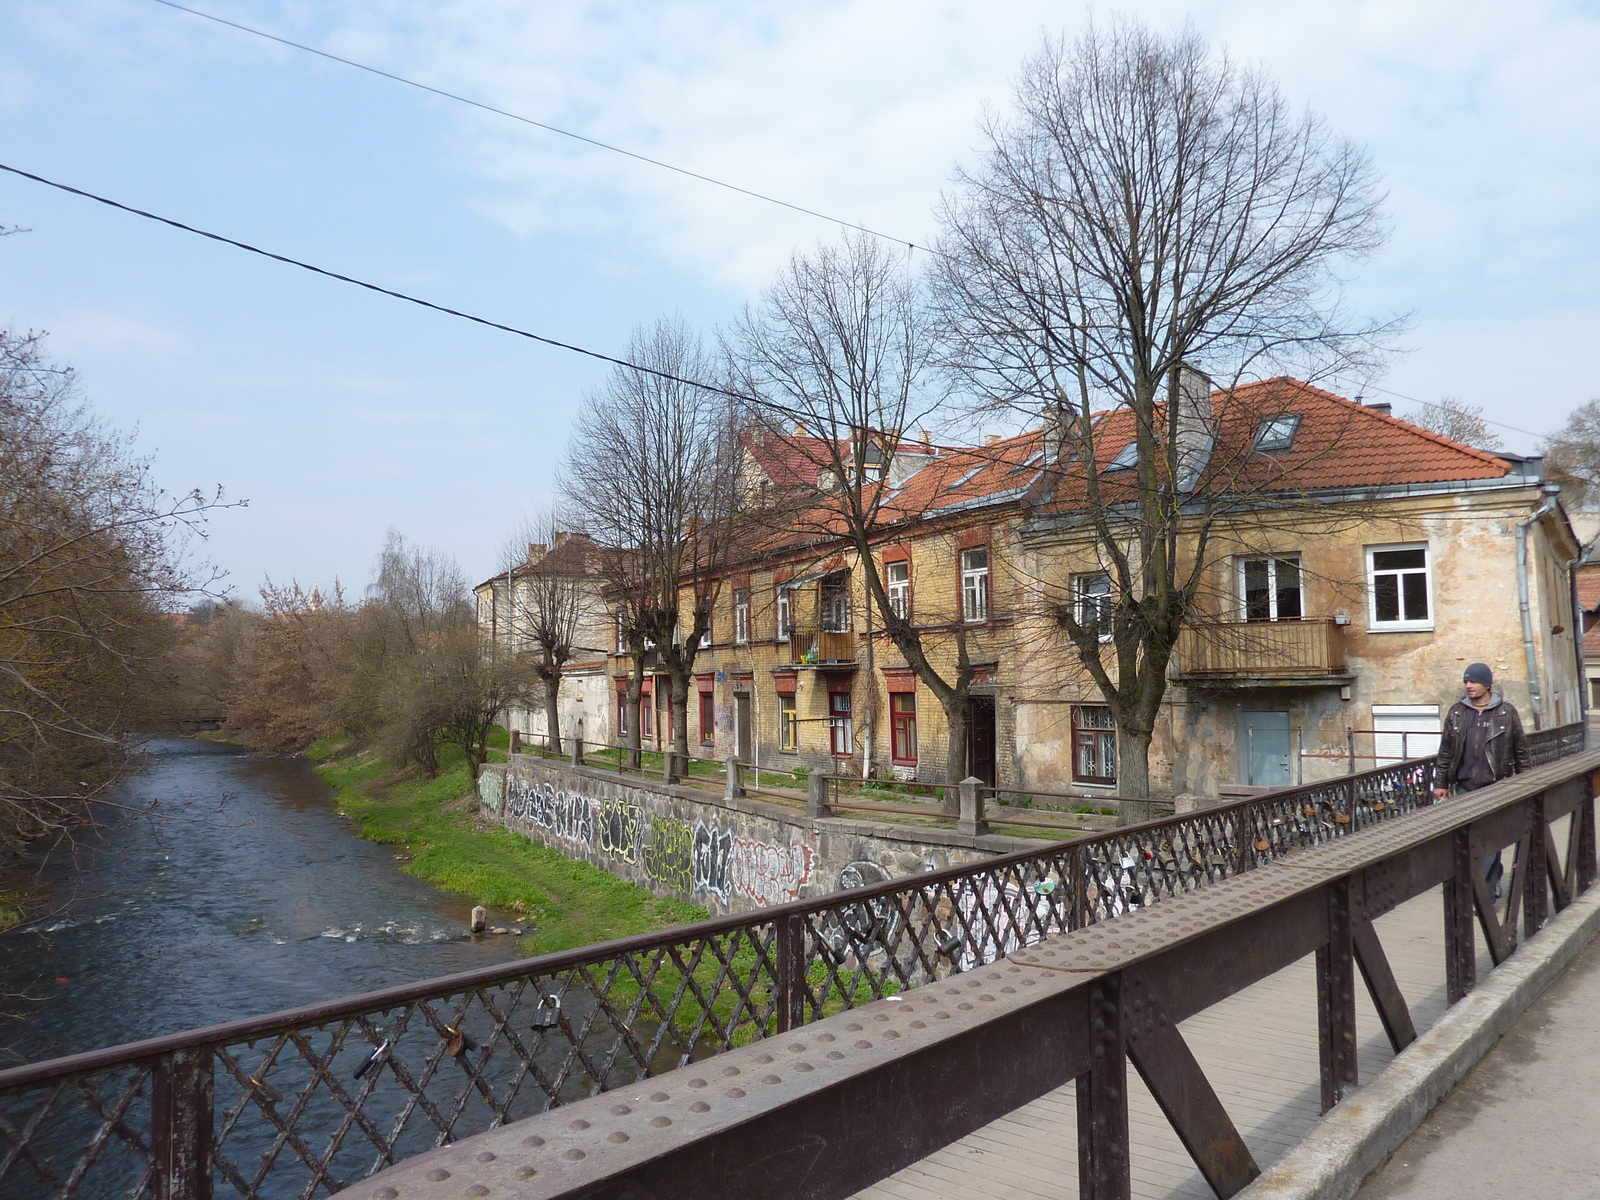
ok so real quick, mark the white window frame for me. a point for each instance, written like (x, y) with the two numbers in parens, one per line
(899, 589)
(741, 617)
(1081, 598)
(975, 586)
(785, 611)
(1401, 626)
(1272, 561)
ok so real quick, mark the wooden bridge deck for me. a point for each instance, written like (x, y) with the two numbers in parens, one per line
(1259, 1050)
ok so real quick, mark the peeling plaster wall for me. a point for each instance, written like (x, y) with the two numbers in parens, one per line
(727, 857)
(1471, 539)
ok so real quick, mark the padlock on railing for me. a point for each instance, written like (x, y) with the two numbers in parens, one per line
(548, 1014)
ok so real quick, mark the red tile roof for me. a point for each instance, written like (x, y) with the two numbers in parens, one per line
(1338, 444)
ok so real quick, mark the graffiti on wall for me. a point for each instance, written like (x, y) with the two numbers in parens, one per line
(566, 815)
(712, 847)
(669, 858)
(621, 827)
(998, 920)
(489, 792)
(710, 859)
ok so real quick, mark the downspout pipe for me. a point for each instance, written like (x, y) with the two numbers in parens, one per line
(1573, 568)
(1535, 693)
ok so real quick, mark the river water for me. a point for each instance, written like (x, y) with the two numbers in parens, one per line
(245, 892)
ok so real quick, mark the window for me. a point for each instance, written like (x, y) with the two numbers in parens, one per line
(1094, 744)
(784, 606)
(975, 585)
(741, 616)
(1126, 459)
(903, 728)
(1277, 433)
(836, 604)
(897, 581)
(840, 737)
(1401, 731)
(622, 638)
(1091, 598)
(647, 717)
(788, 724)
(708, 719)
(1269, 588)
(622, 714)
(1399, 588)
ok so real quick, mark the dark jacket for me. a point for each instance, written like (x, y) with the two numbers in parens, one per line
(1506, 747)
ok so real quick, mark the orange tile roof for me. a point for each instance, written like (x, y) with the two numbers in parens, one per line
(1338, 444)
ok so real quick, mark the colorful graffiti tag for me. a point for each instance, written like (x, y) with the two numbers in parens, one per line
(709, 860)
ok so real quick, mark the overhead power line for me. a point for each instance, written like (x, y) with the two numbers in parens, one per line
(567, 133)
(373, 287)
(1433, 404)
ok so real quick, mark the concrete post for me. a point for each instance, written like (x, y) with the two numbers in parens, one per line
(971, 821)
(669, 766)
(480, 918)
(735, 785)
(817, 796)
(577, 751)
(516, 741)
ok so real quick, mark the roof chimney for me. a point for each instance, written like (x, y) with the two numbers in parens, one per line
(1195, 420)
(926, 435)
(990, 439)
(535, 551)
(799, 429)
(1381, 406)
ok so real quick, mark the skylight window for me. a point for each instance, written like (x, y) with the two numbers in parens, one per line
(1126, 459)
(1277, 433)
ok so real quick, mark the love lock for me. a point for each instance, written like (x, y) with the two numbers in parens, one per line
(548, 1014)
(949, 944)
(459, 1042)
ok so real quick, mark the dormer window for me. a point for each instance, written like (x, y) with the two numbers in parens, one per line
(1127, 458)
(1277, 433)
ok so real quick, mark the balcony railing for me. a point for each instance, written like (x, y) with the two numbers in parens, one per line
(821, 647)
(1261, 649)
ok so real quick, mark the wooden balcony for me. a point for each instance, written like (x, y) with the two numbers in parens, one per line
(820, 648)
(1261, 653)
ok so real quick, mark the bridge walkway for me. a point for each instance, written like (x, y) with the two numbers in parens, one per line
(1523, 1122)
(1258, 1048)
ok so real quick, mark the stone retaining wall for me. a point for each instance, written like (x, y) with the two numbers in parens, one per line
(727, 856)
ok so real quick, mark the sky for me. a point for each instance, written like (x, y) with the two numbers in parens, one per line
(339, 414)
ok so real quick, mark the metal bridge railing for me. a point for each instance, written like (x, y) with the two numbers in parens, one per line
(303, 1102)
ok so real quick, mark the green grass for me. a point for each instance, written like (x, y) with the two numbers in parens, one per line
(569, 903)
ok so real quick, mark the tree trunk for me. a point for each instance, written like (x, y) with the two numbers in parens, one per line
(680, 724)
(955, 759)
(1133, 774)
(552, 713)
(634, 691)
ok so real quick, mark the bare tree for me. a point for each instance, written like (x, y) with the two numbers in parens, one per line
(842, 344)
(1573, 452)
(551, 604)
(1150, 205)
(653, 478)
(1457, 420)
(90, 556)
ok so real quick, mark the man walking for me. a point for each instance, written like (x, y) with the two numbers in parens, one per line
(1482, 742)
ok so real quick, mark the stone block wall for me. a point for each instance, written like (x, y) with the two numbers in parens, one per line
(730, 856)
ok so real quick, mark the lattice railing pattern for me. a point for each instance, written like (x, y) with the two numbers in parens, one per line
(308, 1102)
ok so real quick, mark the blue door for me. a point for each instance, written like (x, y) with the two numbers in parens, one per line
(1264, 748)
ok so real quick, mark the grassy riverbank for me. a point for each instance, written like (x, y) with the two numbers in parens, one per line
(453, 847)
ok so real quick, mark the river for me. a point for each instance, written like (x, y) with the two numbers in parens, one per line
(243, 892)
